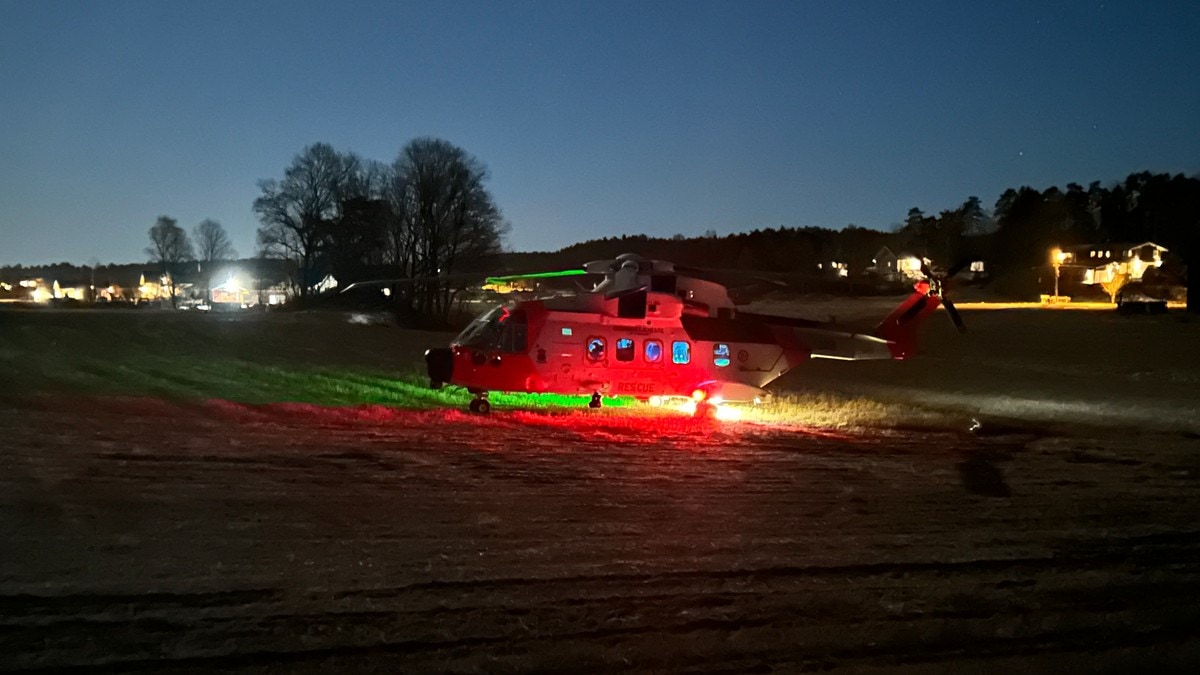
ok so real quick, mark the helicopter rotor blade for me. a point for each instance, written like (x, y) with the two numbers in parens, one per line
(937, 285)
(956, 268)
(622, 292)
(601, 266)
(954, 316)
(410, 281)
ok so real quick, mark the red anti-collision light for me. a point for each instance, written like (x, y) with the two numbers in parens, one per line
(699, 394)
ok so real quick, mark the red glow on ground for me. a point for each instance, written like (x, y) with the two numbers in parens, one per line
(565, 430)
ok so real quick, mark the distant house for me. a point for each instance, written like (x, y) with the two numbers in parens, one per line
(1101, 263)
(897, 267)
(114, 292)
(232, 293)
(883, 264)
(26, 290)
(975, 270)
(152, 288)
(503, 285)
(906, 267)
(72, 290)
(328, 283)
(834, 268)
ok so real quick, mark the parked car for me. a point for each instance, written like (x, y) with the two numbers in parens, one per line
(1136, 298)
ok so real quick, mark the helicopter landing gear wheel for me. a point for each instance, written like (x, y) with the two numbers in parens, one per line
(479, 405)
(596, 401)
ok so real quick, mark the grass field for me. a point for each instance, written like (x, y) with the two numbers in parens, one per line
(322, 358)
(262, 493)
(1013, 366)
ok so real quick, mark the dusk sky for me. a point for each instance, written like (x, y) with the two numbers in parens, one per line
(594, 119)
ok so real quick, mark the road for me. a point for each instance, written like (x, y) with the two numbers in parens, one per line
(143, 534)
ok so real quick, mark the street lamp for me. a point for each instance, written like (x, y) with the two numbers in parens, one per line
(1057, 258)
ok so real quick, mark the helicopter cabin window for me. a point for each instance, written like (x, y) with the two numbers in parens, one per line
(595, 349)
(720, 354)
(681, 352)
(624, 349)
(653, 351)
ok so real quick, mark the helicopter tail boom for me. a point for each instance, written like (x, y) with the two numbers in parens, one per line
(900, 327)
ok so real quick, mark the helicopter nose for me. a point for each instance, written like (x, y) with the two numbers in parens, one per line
(439, 362)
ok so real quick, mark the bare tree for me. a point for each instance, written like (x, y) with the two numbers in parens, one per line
(168, 247)
(1115, 284)
(445, 217)
(368, 179)
(212, 244)
(292, 211)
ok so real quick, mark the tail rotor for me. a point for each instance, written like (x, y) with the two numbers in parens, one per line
(937, 286)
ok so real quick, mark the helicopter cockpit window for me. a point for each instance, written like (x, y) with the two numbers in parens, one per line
(653, 351)
(497, 329)
(595, 349)
(479, 332)
(720, 354)
(681, 352)
(625, 349)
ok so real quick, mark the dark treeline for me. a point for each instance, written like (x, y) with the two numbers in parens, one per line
(1145, 206)
(1026, 223)
(428, 215)
(1014, 237)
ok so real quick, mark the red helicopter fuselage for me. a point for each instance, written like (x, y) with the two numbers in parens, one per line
(651, 344)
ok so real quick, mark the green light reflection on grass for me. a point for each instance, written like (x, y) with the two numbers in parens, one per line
(248, 382)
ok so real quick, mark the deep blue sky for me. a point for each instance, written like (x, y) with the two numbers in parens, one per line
(594, 119)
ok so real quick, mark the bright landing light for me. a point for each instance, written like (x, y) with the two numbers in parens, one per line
(725, 413)
(728, 413)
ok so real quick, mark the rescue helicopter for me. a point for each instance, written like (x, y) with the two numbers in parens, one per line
(657, 331)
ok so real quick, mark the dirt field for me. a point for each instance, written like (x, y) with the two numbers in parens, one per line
(167, 532)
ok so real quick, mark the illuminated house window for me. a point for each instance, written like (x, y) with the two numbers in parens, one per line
(653, 351)
(681, 352)
(721, 354)
(566, 330)
(624, 349)
(595, 349)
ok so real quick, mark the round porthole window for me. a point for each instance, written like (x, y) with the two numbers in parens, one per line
(595, 349)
